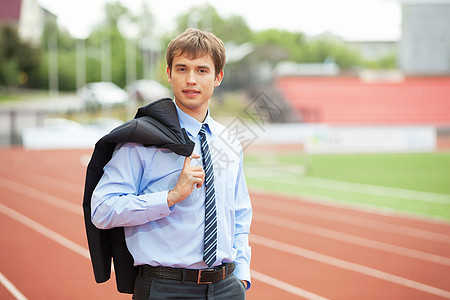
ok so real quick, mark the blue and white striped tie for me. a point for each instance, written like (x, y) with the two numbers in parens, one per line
(210, 241)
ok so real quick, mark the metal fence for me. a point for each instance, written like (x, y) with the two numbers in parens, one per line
(13, 121)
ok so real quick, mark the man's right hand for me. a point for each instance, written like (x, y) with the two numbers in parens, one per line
(190, 178)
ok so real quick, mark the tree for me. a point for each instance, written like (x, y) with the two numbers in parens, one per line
(108, 40)
(322, 48)
(275, 45)
(106, 48)
(17, 58)
(231, 29)
(65, 53)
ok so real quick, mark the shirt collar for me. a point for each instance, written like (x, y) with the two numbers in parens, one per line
(193, 126)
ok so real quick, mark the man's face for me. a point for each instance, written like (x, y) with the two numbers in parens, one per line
(193, 82)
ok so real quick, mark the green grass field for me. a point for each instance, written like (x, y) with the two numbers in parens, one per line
(412, 183)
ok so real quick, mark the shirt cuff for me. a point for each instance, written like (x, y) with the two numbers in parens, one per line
(242, 272)
(157, 205)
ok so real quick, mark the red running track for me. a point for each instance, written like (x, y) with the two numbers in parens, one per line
(301, 249)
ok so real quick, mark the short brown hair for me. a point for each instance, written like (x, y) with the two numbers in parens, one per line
(195, 43)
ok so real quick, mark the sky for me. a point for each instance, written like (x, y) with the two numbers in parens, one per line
(350, 19)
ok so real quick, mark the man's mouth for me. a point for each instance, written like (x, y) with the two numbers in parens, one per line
(191, 92)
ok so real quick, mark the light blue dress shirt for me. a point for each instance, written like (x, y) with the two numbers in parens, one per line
(133, 193)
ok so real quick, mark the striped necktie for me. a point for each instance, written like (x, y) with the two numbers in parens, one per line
(210, 241)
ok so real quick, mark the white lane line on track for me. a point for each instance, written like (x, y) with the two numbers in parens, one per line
(51, 181)
(85, 252)
(361, 206)
(287, 248)
(404, 230)
(11, 288)
(354, 220)
(41, 196)
(285, 286)
(44, 231)
(351, 239)
(350, 205)
(418, 233)
(69, 206)
(72, 207)
(368, 189)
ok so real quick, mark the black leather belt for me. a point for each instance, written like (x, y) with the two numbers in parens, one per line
(203, 276)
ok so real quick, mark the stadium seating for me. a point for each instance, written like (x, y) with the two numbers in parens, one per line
(352, 101)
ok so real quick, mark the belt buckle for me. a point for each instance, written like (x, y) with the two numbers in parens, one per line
(199, 276)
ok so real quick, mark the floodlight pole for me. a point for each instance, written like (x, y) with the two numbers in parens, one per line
(52, 44)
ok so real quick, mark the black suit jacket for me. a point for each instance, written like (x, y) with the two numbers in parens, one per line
(155, 124)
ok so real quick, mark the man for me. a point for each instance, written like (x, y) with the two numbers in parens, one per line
(186, 219)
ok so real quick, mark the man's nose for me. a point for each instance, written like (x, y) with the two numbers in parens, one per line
(191, 79)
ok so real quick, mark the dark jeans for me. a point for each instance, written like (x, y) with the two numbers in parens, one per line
(149, 288)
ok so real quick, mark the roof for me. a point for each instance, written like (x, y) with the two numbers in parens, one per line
(351, 101)
(10, 10)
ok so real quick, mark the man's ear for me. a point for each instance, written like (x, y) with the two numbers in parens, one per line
(169, 75)
(219, 78)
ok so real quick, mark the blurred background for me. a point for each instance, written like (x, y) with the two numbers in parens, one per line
(346, 63)
(303, 78)
(328, 77)
(342, 107)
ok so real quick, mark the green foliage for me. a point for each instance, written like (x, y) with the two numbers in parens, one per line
(231, 29)
(118, 60)
(276, 45)
(66, 70)
(386, 62)
(114, 12)
(9, 72)
(17, 58)
(320, 49)
(24, 65)
(64, 49)
(93, 68)
(108, 37)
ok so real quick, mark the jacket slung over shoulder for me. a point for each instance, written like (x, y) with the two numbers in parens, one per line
(155, 124)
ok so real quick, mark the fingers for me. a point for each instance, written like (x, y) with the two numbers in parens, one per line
(191, 177)
(195, 173)
(187, 160)
(199, 173)
(199, 178)
(195, 155)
